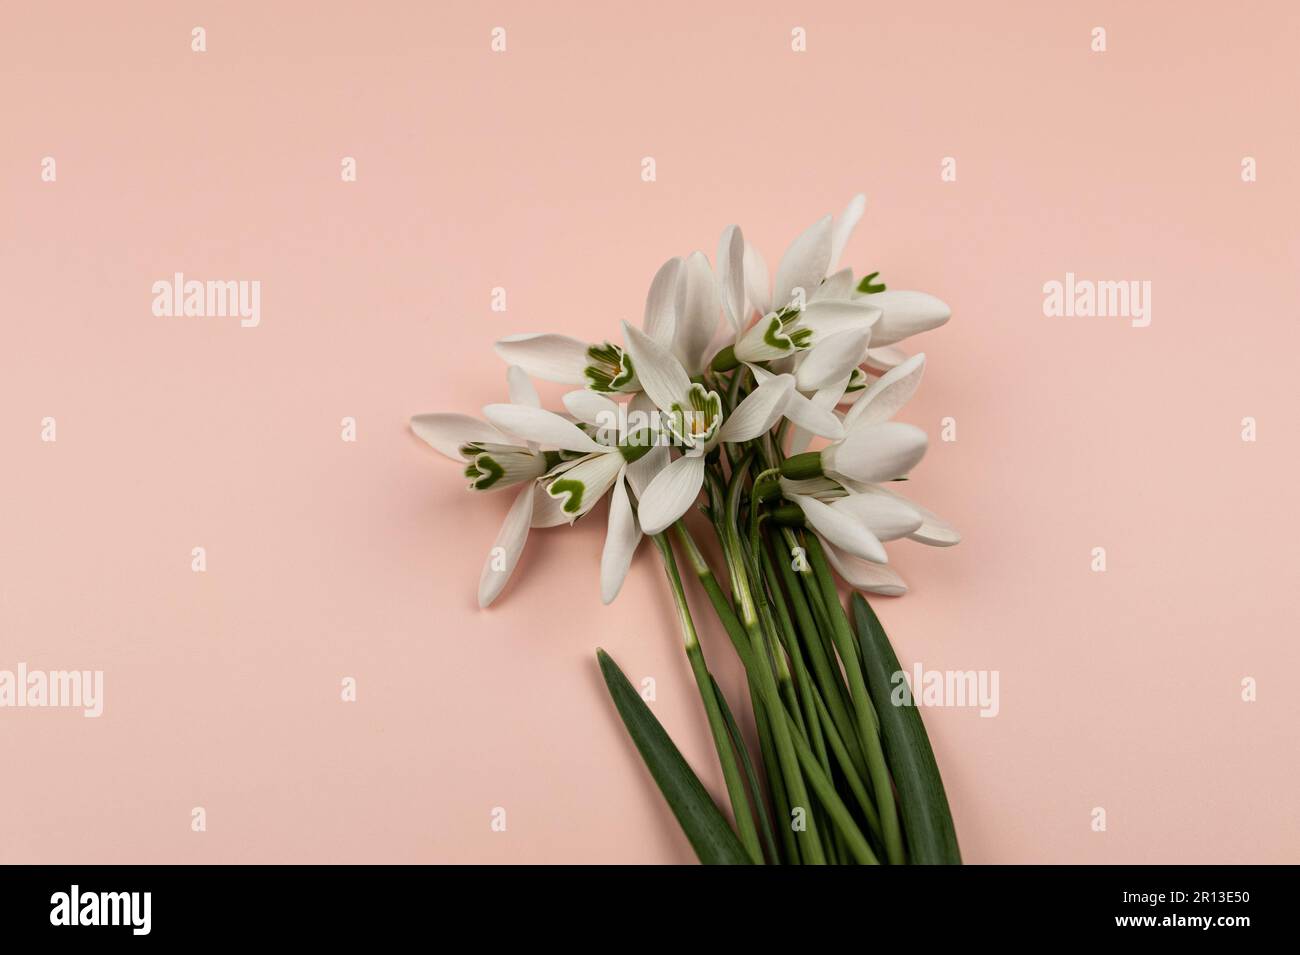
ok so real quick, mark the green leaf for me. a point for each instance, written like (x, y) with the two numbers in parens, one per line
(706, 828)
(927, 821)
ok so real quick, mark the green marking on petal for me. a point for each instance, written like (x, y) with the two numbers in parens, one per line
(858, 379)
(610, 369)
(637, 446)
(490, 472)
(491, 466)
(570, 490)
(598, 381)
(774, 335)
(628, 374)
(696, 421)
(869, 285)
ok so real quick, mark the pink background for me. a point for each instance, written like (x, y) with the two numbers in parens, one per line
(522, 170)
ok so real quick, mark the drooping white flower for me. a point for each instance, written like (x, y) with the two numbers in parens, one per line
(903, 313)
(497, 459)
(805, 334)
(874, 448)
(856, 517)
(627, 459)
(794, 319)
(694, 419)
(854, 520)
(679, 306)
(842, 498)
(818, 335)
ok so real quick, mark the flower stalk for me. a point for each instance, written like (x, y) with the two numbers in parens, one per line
(704, 682)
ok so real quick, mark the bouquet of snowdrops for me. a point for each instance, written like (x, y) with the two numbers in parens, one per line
(716, 399)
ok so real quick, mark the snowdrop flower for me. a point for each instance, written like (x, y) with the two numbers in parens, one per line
(805, 336)
(874, 448)
(810, 327)
(494, 460)
(902, 314)
(605, 367)
(794, 318)
(837, 488)
(695, 422)
(854, 520)
(630, 458)
(743, 274)
(853, 527)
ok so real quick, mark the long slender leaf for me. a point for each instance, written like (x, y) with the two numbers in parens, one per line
(710, 835)
(927, 821)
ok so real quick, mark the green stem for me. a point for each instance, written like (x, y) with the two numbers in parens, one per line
(704, 681)
(868, 721)
(827, 675)
(786, 752)
(780, 801)
(791, 643)
(751, 777)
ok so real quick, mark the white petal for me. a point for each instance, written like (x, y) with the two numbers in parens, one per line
(823, 488)
(876, 452)
(447, 433)
(698, 321)
(521, 388)
(661, 375)
(663, 303)
(581, 487)
(643, 470)
(813, 417)
(731, 276)
(538, 424)
(640, 415)
(824, 400)
(548, 357)
(906, 313)
(864, 575)
(841, 529)
(509, 544)
(760, 410)
(621, 539)
(887, 394)
(753, 346)
(883, 359)
(837, 287)
(671, 493)
(547, 511)
(827, 318)
(832, 359)
(804, 264)
(844, 226)
(934, 530)
(591, 408)
(887, 516)
(758, 290)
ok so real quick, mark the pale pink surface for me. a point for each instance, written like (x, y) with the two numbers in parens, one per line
(521, 170)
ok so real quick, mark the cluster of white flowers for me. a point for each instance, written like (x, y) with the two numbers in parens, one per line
(723, 357)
